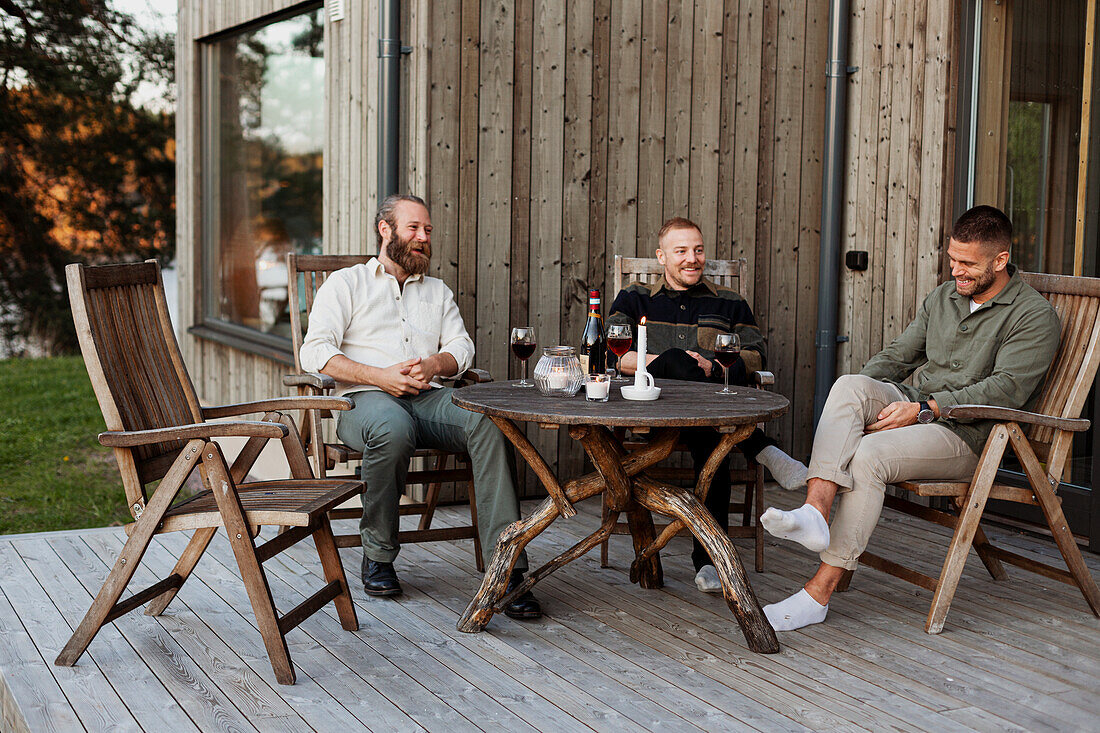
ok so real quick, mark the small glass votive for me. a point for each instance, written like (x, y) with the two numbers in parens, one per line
(597, 387)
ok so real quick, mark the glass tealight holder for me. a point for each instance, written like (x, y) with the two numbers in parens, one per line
(597, 387)
(558, 373)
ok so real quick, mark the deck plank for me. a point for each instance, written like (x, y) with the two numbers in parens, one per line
(145, 696)
(255, 702)
(32, 699)
(93, 699)
(1017, 655)
(564, 652)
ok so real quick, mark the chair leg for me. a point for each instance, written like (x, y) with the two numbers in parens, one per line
(190, 557)
(105, 600)
(758, 510)
(604, 513)
(432, 496)
(1056, 520)
(252, 572)
(969, 517)
(984, 549)
(104, 605)
(334, 570)
(479, 561)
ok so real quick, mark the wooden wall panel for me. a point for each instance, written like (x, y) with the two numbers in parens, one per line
(550, 136)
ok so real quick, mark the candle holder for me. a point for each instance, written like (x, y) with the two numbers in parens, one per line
(558, 373)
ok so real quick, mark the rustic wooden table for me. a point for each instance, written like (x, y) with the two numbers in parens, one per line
(622, 475)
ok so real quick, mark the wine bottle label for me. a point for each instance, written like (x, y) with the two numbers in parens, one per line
(584, 363)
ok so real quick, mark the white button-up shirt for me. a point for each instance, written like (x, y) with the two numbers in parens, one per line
(362, 313)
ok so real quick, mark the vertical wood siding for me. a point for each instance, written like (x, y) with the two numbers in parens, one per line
(549, 137)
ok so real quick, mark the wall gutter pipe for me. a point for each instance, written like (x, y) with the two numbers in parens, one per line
(389, 90)
(832, 199)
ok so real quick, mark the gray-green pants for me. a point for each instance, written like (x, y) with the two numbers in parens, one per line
(388, 429)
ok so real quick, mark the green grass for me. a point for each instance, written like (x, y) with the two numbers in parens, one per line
(53, 472)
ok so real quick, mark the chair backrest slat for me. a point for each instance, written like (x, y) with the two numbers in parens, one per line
(305, 276)
(727, 273)
(1071, 374)
(132, 356)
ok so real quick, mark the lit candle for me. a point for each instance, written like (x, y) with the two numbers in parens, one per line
(597, 387)
(557, 378)
(640, 372)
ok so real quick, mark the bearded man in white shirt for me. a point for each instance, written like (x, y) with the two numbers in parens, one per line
(385, 332)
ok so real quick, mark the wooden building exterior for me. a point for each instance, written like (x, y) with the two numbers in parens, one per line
(549, 137)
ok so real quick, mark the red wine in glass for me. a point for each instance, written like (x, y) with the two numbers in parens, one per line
(619, 346)
(727, 347)
(523, 351)
(522, 341)
(726, 357)
(619, 338)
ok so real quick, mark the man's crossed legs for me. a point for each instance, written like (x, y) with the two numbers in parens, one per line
(857, 466)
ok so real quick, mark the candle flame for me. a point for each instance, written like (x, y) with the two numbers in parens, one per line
(643, 320)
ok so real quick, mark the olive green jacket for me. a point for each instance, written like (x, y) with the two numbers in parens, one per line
(997, 355)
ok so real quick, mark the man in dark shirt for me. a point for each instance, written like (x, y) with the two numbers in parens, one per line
(684, 313)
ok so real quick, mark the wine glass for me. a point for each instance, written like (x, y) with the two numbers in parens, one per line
(523, 345)
(727, 347)
(618, 343)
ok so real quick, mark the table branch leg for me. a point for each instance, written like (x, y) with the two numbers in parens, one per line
(647, 573)
(681, 504)
(564, 558)
(710, 468)
(537, 464)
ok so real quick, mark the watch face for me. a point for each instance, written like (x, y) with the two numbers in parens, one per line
(925, 416)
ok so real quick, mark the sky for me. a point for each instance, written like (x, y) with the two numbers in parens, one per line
(159, 15)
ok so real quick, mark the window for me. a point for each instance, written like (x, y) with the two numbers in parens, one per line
(263, 132)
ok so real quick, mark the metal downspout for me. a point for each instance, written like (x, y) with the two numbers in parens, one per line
(389, 89)
(832, 195)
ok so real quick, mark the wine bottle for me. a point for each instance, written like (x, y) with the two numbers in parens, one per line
(593, 351)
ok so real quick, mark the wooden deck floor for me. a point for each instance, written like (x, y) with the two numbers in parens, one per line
(1018, 655)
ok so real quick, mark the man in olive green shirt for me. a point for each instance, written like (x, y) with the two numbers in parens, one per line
(985, 337)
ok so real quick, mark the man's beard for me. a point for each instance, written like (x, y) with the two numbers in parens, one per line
(981, 283)
(400, 251)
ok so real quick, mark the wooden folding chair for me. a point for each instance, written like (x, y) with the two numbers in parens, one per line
(158, 430)
(1041, 441)
(306, 273)
(728, 273)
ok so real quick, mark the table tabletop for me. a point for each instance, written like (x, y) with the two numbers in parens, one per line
(681, 404)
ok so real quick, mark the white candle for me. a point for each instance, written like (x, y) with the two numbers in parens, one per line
(557, 378)
(639, 379)
(597, 389)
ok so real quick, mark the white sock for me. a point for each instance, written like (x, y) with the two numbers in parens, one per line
(804, 525)
(707, 580)
(788, 473)
(795, 612)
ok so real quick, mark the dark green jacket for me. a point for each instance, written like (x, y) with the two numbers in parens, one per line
(997, 355)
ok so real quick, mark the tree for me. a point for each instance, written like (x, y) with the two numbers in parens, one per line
(86, 174)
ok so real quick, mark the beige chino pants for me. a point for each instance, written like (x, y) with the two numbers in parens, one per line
(863, 464)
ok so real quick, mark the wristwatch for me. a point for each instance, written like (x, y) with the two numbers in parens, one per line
(925, 414)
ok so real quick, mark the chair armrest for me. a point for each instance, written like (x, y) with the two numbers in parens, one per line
(309, 379)
(278, 404)
(763, 379)
(474, 376)
(240, 428)
(1006, 414)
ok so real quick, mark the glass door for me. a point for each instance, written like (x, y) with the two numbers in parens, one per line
(1027, 132)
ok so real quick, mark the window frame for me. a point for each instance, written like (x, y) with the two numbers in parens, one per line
(207, 247)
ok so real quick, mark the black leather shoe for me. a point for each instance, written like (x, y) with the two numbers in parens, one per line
(525, 607)
(379, 578)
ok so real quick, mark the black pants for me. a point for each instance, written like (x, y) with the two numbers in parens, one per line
(678, 364)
